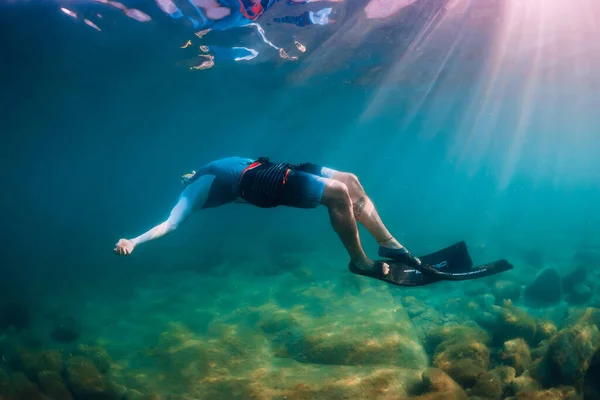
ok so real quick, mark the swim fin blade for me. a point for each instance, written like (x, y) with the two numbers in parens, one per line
(452, 263)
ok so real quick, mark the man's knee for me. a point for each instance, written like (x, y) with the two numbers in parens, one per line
(336, 193)
(351, 181)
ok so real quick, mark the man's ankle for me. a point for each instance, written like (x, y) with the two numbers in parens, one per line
(391, 243)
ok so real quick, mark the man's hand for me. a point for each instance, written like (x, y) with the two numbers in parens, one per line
(124, 247)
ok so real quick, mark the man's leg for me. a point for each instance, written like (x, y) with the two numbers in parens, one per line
(364, 210)
(337, 200)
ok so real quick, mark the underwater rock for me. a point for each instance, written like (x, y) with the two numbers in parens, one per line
(512, 323)
(487, 320)
(523, 383)
(50, 360)
(545, 290)
(562, 393)
(97, 355)
(66, 330)
(486, 301)
(516, 353)
(52, 385)
(541, 350)
(591, 379)
(464, 361)
(353, 336)
(569, 354)
(544, 330)
(437, 385)
(589, 315)
(475, 288)
(574, 277)
(580, 294)
(493, 384)
(31, 362)
(415, 310)
(506, 290)
(23, 388)
(454, 334)
(86, 382)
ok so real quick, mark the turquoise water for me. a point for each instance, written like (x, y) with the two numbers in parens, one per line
(463, 120)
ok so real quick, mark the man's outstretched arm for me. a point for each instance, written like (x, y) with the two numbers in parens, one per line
(178, 215)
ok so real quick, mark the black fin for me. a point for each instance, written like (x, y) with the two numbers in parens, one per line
(453, 258)
(451, 263)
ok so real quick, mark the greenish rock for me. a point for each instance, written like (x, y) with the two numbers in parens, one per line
(86, 382)
(52, 385)
(464, 361)
(512, 323)
(523, 383)
(438, 385)
(517, 354)
(450, 334)
(506, 290)
(569, 354)
(493, 384)
(97, 355)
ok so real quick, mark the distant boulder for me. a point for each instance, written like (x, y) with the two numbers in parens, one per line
(66, 330)
(545, 290)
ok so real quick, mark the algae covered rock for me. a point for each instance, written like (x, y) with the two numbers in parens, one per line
(591, 380)
(66, 330)
(544, 330)
(52, 385)
(493, 384)
(475, 288)
(463, 361)
(438, 385)
(97, 355)
(50, 360)
(516, 353)
(545, 290)
(506, 290)
(355, 335)
(524, 383)
(563, 393)
(569, 355)
(359, 343)
(512, 323)
(22, 388)
(86, 382)
(449, 334)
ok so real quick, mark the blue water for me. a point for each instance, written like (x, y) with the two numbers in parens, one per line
(451, 138)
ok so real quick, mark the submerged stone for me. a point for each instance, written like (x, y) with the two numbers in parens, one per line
(545, 290)
(569, 354)
(97, 355)
(454, 334)
(563, 393)
(591, 379)
(438, 385)
(464, 361)
(66, 330)
(579, 294)
(86, 382)
(52, 385)
(506, 290)
(512, 323)
(493, 384)
(516, 353)
(544, 330)
(523, 383)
